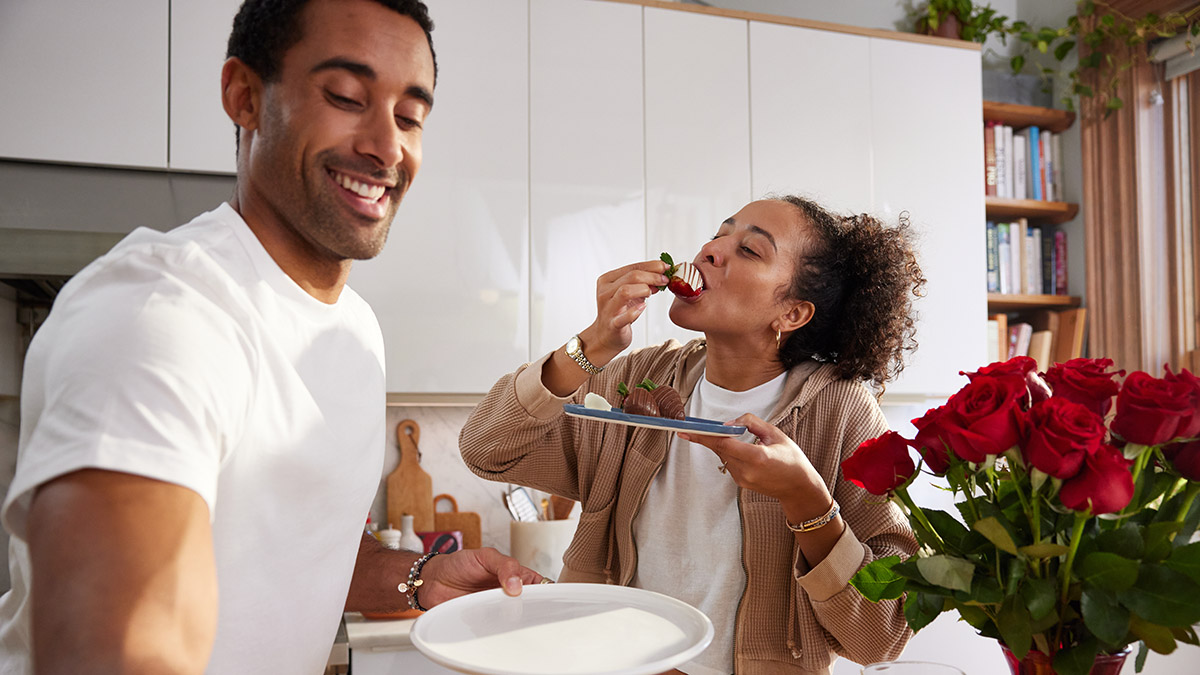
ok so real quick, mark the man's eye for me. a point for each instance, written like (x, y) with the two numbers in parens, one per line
(407, 123)
(343, 101)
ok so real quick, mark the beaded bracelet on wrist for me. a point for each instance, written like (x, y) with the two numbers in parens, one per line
(414, 581)
(818, 522)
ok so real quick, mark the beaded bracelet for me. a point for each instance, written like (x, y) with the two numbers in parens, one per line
(818, 522)
(409, 587)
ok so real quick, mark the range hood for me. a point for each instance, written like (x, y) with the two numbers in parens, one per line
(57, 218)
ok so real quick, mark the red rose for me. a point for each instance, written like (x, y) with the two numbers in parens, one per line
(985, 416)
(1087, 382)
(1061, 434)
(880, 465)
(1150, 410)
(1017, 365)
(1185, 457)
(1020, 366)
(1103, 485)
(1189, 425)
(930, 440)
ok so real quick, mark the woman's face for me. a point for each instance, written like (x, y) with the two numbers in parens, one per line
(747, 268)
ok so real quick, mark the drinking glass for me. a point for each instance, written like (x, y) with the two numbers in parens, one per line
(910, 668)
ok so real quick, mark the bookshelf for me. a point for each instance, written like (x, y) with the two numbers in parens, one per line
(1059, 318)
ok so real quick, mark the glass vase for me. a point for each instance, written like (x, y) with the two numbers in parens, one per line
(1037, 663)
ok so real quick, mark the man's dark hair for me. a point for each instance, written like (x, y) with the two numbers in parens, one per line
(264, 30)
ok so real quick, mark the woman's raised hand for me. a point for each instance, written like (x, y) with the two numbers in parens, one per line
(620, 299)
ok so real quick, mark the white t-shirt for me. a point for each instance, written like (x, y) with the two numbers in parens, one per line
(689, 531)
(190, 357)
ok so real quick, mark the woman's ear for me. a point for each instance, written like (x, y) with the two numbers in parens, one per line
(795, 317)
(241, 93)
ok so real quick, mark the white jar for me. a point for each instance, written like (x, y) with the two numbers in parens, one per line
(409, 541)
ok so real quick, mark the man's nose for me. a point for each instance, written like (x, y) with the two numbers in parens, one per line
(381, 139)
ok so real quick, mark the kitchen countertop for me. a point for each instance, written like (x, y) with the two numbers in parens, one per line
(377, 634)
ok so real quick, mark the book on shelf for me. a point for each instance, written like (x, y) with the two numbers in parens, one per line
(1060, 262)
(1031, 261)
(1002, 168)
(1004, 257)
(1020, 164)
(1035, 144)
(993, 259)
(1018, 230)
(1068, 343)
(1056, 164)
(997, 337)
(1019, 335)
(989, 159)
(1040, 343)
(1045, 166)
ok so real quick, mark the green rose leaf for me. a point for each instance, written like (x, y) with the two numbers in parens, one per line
(876, 581)
(996, 533)
(1163, 596)
(1044, 550)
(948, 528)
(1013, 620)
(1186, 560)
(1125, 541)
(1156, 637)
(1039, 596)
(1108, 571)
(1077, 659)
(1104, 616)
(947, 572)
(922, 608)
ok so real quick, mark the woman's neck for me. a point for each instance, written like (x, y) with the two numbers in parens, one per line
(740, 366)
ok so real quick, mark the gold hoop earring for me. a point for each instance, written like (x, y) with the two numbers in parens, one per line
(778, 334)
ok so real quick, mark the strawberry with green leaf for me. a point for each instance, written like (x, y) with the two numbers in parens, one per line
(684, 279)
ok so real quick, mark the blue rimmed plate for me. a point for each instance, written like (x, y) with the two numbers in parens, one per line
(692, 425)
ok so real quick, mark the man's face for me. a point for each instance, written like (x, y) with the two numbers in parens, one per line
(338, 140)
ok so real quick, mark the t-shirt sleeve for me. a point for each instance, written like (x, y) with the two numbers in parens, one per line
(139, 371)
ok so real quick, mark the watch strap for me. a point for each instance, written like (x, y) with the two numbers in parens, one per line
(579, 357)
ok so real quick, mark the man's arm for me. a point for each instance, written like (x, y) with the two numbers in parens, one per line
(123, 575)
(379, 570)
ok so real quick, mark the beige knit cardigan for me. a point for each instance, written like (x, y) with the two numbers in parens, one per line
(792, 617)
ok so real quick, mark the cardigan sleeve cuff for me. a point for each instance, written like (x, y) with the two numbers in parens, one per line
(533, 396)
(833, 573)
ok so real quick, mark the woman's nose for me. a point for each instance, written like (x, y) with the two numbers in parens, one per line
(711, 252)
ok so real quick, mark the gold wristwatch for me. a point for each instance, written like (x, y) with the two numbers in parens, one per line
(575, 351)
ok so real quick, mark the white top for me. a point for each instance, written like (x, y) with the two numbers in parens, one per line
(689, 531)
(190, 357)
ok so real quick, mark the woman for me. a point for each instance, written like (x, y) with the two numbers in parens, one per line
(800, 308)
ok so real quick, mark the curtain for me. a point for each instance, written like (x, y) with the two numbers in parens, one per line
(1140, 217)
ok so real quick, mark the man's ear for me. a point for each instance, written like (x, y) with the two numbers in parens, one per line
(795, 317)
(241, 93)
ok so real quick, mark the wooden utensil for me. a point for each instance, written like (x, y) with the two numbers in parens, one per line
(466, 522)
(409, 488)
(560, 507)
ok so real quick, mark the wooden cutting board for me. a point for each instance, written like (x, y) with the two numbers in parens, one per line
(464, 521)
(409, 488)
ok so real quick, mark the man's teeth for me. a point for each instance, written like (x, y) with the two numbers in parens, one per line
(364, 190)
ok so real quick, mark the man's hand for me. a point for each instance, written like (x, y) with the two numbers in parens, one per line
(449, 576)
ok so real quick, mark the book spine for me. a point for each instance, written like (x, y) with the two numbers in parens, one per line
(1010, 167)
(1048, 241)
(1001, 162)
(1036, 264)
(1030, 262)
(1035, 163)
(989, 159)
(1060, 263)
(1047, 169)
(993, 258)
(1004, 257)
(1020, 164)
(1056, 161)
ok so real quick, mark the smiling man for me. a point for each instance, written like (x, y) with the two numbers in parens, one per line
(208, 403)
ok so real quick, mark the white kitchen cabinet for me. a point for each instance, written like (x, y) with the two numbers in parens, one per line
(84, 82)
(697, 138)
(451, 288)
(202, 135)
(927, 141)
(810, 113)
(587, 201)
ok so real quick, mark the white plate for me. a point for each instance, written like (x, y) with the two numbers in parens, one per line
(563, 629)
(692, 425)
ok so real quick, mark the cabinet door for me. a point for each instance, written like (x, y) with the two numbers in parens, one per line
(84, 82)
(587, 208)
(810, 114)
(451, 286)
(202, 135)
(928, 140)
(697, 138)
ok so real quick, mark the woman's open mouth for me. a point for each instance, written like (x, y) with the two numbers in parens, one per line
(687, 282)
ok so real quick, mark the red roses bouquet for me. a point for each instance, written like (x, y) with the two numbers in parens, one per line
(1073, 533)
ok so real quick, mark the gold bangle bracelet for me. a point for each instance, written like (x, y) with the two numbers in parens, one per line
(818, 522)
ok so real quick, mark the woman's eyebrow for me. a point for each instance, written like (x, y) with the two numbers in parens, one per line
(758, 230)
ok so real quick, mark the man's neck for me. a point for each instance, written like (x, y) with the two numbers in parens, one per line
(321, 278)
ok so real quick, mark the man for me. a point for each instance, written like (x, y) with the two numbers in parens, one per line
(203, 417)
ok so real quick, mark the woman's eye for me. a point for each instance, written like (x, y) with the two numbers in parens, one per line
(749, 251)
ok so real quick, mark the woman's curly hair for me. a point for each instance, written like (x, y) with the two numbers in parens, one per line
(861, 277)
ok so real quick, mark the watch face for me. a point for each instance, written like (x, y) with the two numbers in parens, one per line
(573, 345)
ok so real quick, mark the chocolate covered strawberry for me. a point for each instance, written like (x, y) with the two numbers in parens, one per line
(684, 279)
